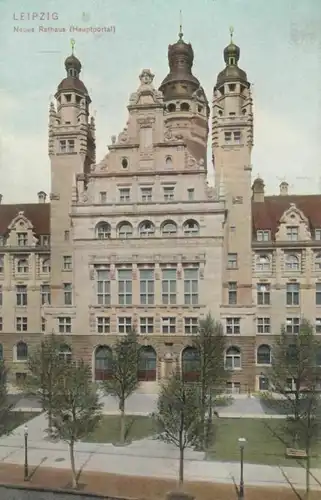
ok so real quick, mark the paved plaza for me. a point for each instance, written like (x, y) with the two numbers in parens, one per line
(147, 457)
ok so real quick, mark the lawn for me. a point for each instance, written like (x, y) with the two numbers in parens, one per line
(109, 429)
(21, 417)
(262, 446)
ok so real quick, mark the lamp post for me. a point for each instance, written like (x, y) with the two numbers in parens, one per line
(242, 442)
(26, 468)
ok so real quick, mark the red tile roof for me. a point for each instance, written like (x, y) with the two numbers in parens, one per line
(266, 215)
(37, 213)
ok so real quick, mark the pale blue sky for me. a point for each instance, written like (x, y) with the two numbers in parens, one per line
(280, 43)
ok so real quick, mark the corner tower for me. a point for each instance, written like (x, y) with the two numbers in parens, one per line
(232, 141)
(185, 103)
(71, 152)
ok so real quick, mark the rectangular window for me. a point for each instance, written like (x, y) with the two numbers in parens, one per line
(263, 235)
(146, 194)
(318, 294)
(168, 193)
(124, 324)
(21, 295)
(292, 233)
(1, 264)
(146, 277)
(71, 145)
(66, 235)
(191, 325)
(190, 286)
(232, 293)
(62, 146)
(21, 324)
(43, 325)
(169, 286)
(292, 294)
(317, 234)
(45, 294)
(232, 261)
(237, 136)
(292, 325)
(64, 325)
(45, 240)
(233, 387)
(263, 325)
(146, 325)
(67, 294)
(67, 263)
(227, 136)
(1, 296)
(125, 287)
(263, 294)
(103, 325)
(1, 324)
(318, 325)
(22, 239)
(233, 326)
(190, 194)
(124, 195)
(103, 197)
(169, 325)
(103, 287)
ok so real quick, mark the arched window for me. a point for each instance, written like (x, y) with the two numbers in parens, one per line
(169, 228)
(190, 364)
(125, 230)
(169, 162)
(103, 363)
(146, 229)
(124, 163)
(171, 107)
(292, 354)
(191, 228)
(22, 266)
(185, 106)
(22, 351)
(262, 263)
(147, 364)
(233, 358)
(103, 230)
(292, 262)
(317, 262)
(65, 353)
(46, 266)
(263, 355)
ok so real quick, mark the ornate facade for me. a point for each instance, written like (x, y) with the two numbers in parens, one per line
(141, 240)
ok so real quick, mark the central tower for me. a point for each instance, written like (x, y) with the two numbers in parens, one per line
(185, 102)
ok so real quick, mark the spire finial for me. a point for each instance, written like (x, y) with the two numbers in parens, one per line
(180, 34)
(231, 33)
(72, 43)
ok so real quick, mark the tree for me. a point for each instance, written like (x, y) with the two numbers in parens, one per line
(5, 405)
(123, 379)
(210, 344)
(44, 367)
(295, 377)
(178, 418)
(76, 408)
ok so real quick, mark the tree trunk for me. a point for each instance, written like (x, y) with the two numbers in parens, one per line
(122, 422)
(181, 466)
(74, 480)
(307, 476)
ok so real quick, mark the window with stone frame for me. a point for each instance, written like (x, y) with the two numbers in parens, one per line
(233, 358)
(125, 287)
(21, 295)
(263, 263)
(146, 325)
(191, 326)
(45, 294)
(169, 286)
(147, 286)
(124, 324)
(263, 325)
(191, 285)
(317, 325)
(263, 294)
(64, 324)
(232, 292)
(103, 288)
(21, 324)
(293, 294)
(103, 324)
(263, 355)
(292, 325)
(263, 235)
(233, 326)
(318, 294)
(169, 324)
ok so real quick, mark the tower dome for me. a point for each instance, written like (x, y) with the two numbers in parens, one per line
(72, 63)
(73, 68)
(231, 72)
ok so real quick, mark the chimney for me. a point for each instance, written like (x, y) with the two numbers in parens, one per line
(258, 190)
(1, 196)
(42, 197)
(284, 188)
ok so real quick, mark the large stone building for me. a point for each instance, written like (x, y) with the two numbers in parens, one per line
(141, 240)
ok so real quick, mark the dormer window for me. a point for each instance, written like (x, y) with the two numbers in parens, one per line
(292, 233)
(45, 240)
(22, 239)
(263, 235)
(317, 234)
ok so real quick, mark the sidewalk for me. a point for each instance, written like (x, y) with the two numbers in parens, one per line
(147, 458)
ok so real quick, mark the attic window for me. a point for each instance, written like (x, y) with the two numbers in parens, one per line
(220, 112)
(171, 108)
(200, 109)
(292, 233)
(78, 99)
(317, 234)
(232, 87)
(185, 106)
(263, 235)
(68, 97)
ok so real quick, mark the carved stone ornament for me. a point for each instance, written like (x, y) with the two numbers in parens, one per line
(123, 136)
(168, 135)
(146, 121)
(146, 77)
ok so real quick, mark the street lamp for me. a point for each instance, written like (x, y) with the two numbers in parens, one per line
(26, 469)
(242, 442)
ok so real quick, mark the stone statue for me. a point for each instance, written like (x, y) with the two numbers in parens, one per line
(146, 77)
